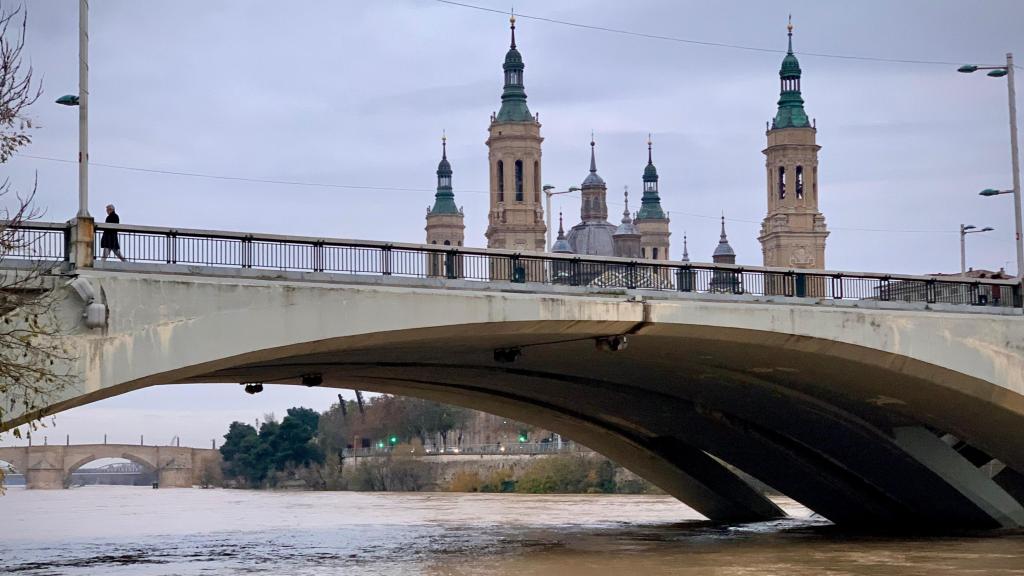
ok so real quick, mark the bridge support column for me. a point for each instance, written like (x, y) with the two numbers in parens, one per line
(175, 467)
(960, 473)
(45, 470)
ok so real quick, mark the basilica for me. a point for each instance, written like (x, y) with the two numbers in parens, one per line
(792, 235)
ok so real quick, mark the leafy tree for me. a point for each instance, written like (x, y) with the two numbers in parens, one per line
(33, 357)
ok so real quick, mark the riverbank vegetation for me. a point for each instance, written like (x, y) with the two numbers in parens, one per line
(392, 443)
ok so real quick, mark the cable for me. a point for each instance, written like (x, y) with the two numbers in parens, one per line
(401, 189)
(697, 42)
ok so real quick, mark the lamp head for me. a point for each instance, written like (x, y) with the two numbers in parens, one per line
(987, 229)
(967, 226)
(967, 68)
(988, 192)
(998, 73)
(68, 100)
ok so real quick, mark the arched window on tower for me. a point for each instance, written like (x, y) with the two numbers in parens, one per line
(799, 182)
(519, 180)
(501, 181)
(651, 186)
(447, 242)
(445, 181)
(654, 252)
(782, 182)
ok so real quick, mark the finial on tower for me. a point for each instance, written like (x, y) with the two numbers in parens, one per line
(625, 212)
(789, 29)
(649, 144)
(512, 22)
(561, 230)
(444, 145)
(593, 160)
(686, 251)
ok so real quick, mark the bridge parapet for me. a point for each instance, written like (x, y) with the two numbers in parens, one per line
(200, 249)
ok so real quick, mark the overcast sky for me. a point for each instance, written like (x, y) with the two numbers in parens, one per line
(358, 92)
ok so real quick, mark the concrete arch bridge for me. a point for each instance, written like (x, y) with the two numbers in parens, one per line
(871, 399)
(51, 467)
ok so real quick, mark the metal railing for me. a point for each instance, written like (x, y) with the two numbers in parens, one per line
(35, 240)
(233, 249)
(496, 449)
(146, 244)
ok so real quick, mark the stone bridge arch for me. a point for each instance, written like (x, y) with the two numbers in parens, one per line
(75, 457)
(867, 413)
(16, 457)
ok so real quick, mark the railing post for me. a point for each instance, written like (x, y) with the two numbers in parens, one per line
(385, 260)
(518, 273)
(799, 284)
(685, 278)
(450, 258)
(318, 256)
(246, 250)
(171, 248)
(930, 291)
(83, 239)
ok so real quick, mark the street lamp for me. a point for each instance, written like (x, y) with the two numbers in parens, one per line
(82, 101)
(966, 229)
(549, 191)
(999, 72)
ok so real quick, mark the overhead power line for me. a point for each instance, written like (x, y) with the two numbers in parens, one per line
(651, 36)
(408, 189)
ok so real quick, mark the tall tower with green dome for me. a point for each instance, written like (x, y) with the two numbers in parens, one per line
(793, 232)
(651, 221)
(516, 217)
(445, 221)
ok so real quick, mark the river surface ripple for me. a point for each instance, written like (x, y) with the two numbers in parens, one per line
(114, 530)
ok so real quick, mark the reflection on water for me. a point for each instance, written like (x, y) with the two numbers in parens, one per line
(127, 530)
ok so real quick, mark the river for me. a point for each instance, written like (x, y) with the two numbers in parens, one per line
(115, 530)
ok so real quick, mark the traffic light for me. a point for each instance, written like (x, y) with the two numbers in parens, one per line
(523, 436)
(393, 440)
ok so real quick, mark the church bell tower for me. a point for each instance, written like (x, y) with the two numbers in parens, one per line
(516, 217)
(793, 232)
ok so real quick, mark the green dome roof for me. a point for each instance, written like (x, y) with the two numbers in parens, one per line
(790, 66)
(444, 199)
(513, 97)
(791, 112)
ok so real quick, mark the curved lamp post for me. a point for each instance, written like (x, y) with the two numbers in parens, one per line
(966, 229)
(999, 72)
(549, 191)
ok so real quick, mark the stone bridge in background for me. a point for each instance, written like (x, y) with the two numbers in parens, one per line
(872, 399)
(51, 467)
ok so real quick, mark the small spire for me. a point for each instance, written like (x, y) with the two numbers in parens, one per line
(561, 229)
(686, 251)
(789, 28)
(649, 144)
(444, 145)
(593, 160)
(723, 237)
(512, 21)
(625, 212)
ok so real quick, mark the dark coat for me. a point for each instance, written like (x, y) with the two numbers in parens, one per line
(109, 239)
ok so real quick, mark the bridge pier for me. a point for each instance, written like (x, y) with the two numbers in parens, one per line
(174, 466)
(45, 469)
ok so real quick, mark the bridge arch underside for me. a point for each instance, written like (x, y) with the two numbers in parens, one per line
(74, 462)
(860, 436)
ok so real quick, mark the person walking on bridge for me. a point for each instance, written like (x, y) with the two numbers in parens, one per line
(109, 241)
